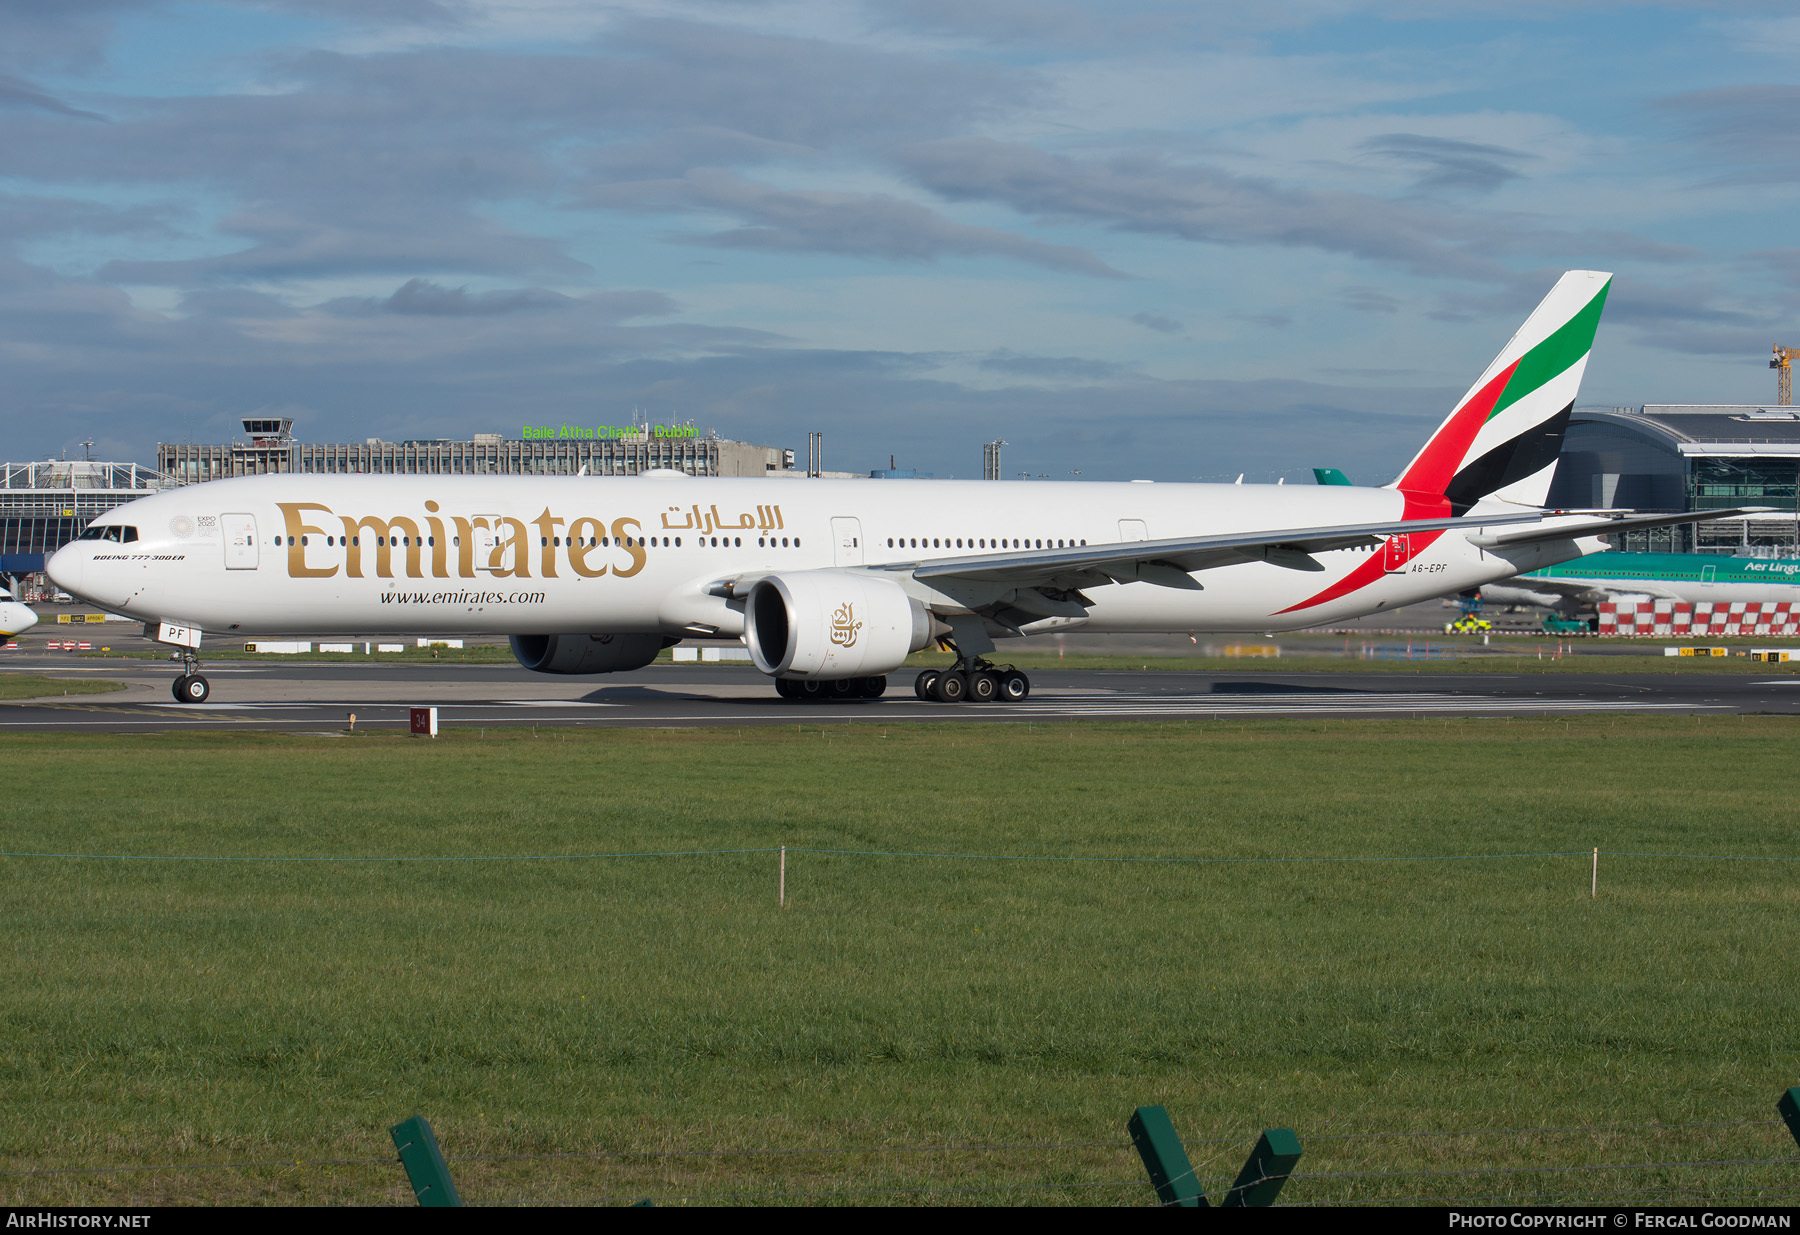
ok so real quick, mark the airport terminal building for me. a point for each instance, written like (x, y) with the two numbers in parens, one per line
(272, 448)
(1675, 456)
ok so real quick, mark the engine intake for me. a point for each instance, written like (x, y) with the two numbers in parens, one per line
(827, 624)
(587, 653)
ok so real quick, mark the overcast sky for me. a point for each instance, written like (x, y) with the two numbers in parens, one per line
(1166, 240)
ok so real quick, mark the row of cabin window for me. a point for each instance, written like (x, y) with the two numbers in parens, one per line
(600, 542)
(931, 542)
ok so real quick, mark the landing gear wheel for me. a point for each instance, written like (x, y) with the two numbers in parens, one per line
(984, 687)
(786, 688)
(1014, 686)
(845, 688)
(875, 687)
(191, 688)
(951, 687)
(811, 691)
(924, 682)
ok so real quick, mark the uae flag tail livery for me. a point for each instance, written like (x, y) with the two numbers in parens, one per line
(1504, 435)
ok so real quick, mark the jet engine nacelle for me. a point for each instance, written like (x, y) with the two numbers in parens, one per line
(587, 653)
(827, 624)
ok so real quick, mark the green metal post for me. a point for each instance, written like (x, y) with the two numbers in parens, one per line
(424, 1163)
(1259, 1183)
(1789, 1106)
(1170, 1172)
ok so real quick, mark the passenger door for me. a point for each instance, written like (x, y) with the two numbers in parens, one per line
(241, 550)
(485, 538)
(1133, 529)
(846, 542)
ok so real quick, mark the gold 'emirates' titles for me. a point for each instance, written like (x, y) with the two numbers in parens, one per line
(586, 542)
(583, 541)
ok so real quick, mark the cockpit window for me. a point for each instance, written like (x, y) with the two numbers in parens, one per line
(111, 531)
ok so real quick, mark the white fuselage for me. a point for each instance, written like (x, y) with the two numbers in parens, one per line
(321, 554)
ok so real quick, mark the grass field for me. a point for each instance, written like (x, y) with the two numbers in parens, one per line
(181, 1013)
(34, 686)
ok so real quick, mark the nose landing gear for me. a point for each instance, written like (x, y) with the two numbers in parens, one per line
(190, 687)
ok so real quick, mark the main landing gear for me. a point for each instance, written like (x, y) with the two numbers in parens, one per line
(190, 687)
(973, 682)
(806, 690)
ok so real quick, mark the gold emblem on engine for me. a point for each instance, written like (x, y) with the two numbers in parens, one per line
(844, 626)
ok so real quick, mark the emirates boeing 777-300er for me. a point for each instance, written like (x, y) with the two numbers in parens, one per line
(832, 583)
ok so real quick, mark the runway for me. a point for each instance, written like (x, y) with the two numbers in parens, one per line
(298, 696)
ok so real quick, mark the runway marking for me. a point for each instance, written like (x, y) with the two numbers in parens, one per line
(538, 703)
(372, 705)
(1309, 702)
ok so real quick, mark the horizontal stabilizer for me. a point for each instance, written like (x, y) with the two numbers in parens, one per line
(1604, 527)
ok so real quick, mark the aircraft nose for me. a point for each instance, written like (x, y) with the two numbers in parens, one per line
(16, 619)
(65, 568)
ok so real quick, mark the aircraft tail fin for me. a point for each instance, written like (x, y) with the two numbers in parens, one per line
(1504, 435)
(1329, 476)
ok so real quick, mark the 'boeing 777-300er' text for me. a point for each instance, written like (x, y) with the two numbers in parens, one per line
(830, 583)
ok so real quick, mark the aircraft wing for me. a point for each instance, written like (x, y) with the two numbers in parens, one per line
(1171, 562)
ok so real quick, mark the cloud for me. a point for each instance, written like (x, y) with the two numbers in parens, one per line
(1445, 163)
(17, 92)
(1750, 128)
(1157, 322)
(1369, 300)
(64, 34)
(1145, 193)
(376, 12)
(405, 162)
(1783, 263)
(1049, 368)
(673, 152)
(853, 224)
(423, 298)
(235, 302)
(1271, 320)
(27, 216)
(291, 247)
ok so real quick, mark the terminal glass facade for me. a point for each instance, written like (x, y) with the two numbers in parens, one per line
(1665, 457)
(43, 506)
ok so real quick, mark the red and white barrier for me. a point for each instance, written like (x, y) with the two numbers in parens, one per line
(1645, 619)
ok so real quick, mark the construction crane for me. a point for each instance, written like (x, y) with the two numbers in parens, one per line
(1784, 364)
